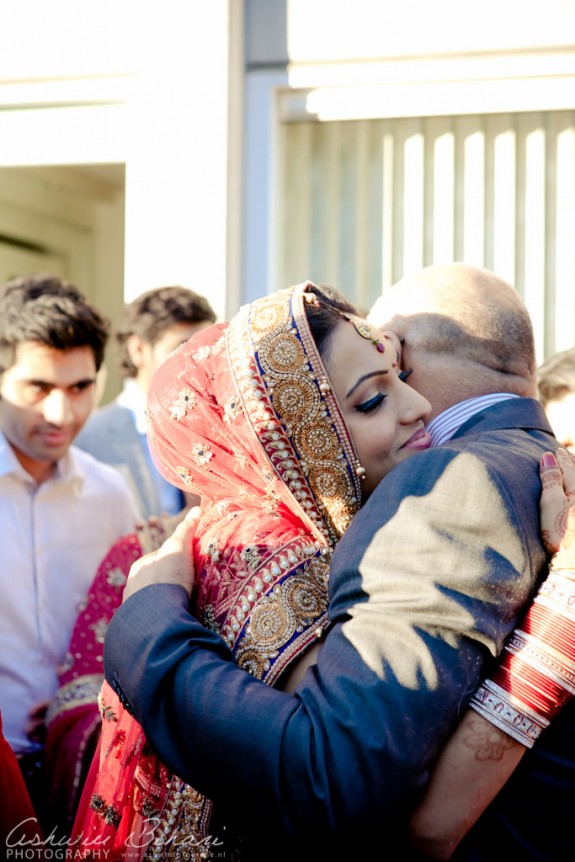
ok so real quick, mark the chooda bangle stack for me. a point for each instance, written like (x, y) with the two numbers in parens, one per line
(535, 676)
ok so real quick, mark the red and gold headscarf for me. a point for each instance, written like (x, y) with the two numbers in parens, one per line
(244, 416)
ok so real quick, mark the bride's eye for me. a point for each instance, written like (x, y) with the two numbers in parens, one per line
(371, 404)
(403, 375)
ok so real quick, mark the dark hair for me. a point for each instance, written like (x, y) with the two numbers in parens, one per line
(44, 308)
(153, 313)
(556, 376)
(324, 317)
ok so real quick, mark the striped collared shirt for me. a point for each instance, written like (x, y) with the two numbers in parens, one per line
(444, 426)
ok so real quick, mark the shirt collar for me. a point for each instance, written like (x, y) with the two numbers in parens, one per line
(446, 424)
(68, 469)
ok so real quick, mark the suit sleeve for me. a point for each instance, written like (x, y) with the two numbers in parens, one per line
(426, 584)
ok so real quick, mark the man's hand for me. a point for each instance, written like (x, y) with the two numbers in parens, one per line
(558, 501)
(171, 564)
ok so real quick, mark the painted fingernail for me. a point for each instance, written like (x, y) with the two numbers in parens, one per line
(548, 460)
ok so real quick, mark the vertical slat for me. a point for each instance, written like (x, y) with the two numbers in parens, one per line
(531, 161)
(373, 235)
(319, 184)
(388, 212)
(361, 242)
(504, 201)
(297, 235)
(430, 133)
(565, 233)
(413, 197)
(333, 203)
(553, 128)
(322, 195)
(489, 196)
(470, 220)
(366, 202)
(347, 214)
(443, 210)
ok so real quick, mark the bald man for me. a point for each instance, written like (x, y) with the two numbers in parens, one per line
(464, 330)
(425, 585)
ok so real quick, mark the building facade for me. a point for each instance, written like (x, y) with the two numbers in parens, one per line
(237, 146)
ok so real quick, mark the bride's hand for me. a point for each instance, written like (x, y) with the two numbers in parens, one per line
(557, 503)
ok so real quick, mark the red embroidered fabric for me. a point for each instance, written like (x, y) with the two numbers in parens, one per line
(73, 719)
(242, 415)
(18, 825)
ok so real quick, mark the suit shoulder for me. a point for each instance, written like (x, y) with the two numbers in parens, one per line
(109, 415)
(106, 420)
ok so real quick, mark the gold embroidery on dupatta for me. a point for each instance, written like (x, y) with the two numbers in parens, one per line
(181, 833)
(84, 689)
(280, 606)
(291, 608)
(278, 374)
(185, 401)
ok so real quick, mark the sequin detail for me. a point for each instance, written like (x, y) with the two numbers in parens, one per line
(185, 401)
(201, 453)
(266, 598)
(298, 423)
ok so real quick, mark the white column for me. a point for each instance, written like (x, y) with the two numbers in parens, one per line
(176, 173)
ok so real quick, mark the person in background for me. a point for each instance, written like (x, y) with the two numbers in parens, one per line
(73, 720)
(61, 509)
(556, 386)
(151, 327)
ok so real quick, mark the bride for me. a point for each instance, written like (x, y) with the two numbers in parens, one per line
(246, 415)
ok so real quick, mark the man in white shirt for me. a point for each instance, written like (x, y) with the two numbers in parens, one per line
(60, 509)
(151, 327)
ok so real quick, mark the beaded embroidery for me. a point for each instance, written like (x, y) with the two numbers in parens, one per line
(267, 601)
(298, 422)
(75, 693)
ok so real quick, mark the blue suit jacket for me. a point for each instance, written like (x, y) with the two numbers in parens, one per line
(111, 436)
(426, 584)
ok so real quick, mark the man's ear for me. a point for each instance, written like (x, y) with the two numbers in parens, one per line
(135, 348)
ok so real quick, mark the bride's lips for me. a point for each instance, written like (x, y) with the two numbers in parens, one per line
(420, 440)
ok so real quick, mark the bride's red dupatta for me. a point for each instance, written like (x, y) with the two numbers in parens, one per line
(243, 416)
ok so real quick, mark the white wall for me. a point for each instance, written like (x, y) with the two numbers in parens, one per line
(138, 83)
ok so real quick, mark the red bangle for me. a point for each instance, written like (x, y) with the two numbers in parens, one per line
(535, 677)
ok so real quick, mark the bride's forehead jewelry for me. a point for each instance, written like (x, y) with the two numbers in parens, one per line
(366, 331)
(361, 326)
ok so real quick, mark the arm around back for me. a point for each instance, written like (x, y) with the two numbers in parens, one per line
(427, 582)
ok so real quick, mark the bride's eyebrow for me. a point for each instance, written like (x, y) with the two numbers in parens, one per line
(366, 377)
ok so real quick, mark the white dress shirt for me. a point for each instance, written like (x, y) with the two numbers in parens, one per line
(446, 424)
(54, 536)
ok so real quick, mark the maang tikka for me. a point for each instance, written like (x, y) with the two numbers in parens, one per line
(361, 326)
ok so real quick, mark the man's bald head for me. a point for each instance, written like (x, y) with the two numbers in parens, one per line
(467, 332)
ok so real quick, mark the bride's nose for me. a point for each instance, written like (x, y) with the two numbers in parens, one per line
(415, 406)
